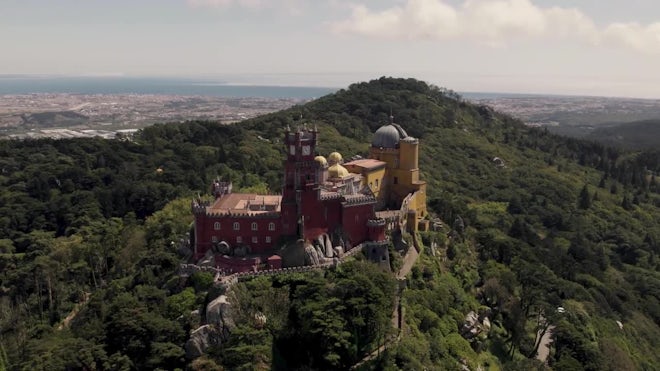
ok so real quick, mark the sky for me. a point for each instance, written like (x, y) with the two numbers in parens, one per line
(578, 47)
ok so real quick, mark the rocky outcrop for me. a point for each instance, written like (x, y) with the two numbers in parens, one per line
(311, 255)
(329, 252)
(219, 324)
(474, 325)
(218, 312)
(208, 260)
(200, 340)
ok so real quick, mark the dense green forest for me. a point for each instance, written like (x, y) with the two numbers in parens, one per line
(90, 228)
(633, 135)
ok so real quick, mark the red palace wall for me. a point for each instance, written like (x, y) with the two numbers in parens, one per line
(354, 222)
(205, 231)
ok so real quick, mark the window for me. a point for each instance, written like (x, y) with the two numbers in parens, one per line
(255, 239)
(216, 226)
(239, 239)
(267, 239)
(271, 226)
(237, 227)
(254, 226)
(376, 183)
(214, 239)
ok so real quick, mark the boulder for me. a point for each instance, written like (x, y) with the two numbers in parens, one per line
(200, 339)
(339, 251)
(208, 260)
(311, 255)
(486, 324)
(470, 326)
(321, 254)
(218, 313)
(320, 241)
(329, 253)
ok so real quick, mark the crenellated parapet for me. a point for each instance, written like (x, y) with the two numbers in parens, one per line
(199, 207)
(330, 196)
(378, 222)
(229, 214)
(358, 200)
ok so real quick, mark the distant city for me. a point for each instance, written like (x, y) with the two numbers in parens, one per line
(65, 115)
(108, 107)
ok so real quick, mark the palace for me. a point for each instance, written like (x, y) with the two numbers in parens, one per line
(326, 203)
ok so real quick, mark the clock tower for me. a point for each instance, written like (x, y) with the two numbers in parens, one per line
(299, 176)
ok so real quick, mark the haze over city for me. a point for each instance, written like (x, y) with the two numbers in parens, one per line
(552, 47)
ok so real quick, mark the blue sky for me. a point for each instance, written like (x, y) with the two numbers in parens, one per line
(550, 46)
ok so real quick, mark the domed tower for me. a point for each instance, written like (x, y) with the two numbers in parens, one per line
(336, 170)
(392, 145)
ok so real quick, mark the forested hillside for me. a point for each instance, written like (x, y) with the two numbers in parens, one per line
(532, 222)
(634, 135)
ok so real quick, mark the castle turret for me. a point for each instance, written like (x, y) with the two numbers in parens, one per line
(376, 230)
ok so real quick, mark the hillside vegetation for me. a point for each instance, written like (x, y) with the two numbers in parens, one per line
(91, 227)
(633, 135)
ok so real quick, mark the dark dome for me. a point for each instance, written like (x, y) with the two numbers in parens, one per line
(388, 136)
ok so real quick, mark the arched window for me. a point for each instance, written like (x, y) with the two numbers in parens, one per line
(267, 239)
(214, 239)
(271, 226)
(216, 226)
(237, 227)
(239, 239)
(255, 239)
(376, 183)
(254, 226)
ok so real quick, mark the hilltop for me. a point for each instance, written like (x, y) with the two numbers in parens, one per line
(530, 222)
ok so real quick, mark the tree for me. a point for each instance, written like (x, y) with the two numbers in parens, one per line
(584, 201)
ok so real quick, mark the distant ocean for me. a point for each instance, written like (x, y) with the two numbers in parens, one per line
(142, 85)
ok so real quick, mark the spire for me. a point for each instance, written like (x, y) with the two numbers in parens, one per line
(391, 116)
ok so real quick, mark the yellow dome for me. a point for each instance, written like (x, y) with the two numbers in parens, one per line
(334, 158)
(337, 171)
(321, 160)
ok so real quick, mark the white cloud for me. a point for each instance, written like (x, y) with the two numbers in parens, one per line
(495, 23)
(636, 36)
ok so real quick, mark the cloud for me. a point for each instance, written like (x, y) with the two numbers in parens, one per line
(493, 22)
(636, 36)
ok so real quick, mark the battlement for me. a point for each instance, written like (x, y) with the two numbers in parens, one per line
(379, 222)
(256, 215)
(358, 200)
(198, 207)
